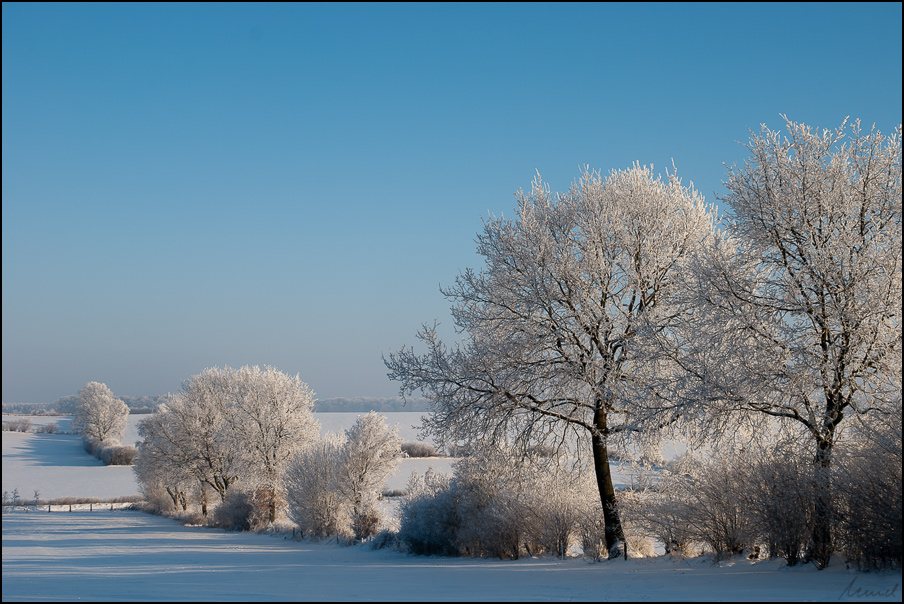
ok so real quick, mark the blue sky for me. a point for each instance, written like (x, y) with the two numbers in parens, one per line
(190, 185)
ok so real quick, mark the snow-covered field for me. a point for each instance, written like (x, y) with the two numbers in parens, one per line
(126, 555)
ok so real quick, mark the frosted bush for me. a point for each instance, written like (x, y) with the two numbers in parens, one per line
(428, 518)
(315, 502)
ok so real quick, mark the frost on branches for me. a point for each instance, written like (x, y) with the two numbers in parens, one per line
(797, 312)
(99, 415)
(333, 484)
(550, 326)
(227, 426)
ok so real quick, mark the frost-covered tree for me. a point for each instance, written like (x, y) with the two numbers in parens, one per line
(333, 484)
(189, 435)
(315, 501)
(371, 453)
(271, 415)
(549, 325)
(165, 485)
(99, 415)
(230, 424)
(797, 313)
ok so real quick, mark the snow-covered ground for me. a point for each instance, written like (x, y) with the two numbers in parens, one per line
(125, 555)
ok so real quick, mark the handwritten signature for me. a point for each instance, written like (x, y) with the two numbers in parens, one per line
(868, 592)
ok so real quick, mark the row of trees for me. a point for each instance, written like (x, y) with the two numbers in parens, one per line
(247, 438)
(226, 426)
(618, 312)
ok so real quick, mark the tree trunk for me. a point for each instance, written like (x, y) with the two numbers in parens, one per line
(821, 546)
(614, 533)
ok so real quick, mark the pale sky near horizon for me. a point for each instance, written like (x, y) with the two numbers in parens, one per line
(191, 185)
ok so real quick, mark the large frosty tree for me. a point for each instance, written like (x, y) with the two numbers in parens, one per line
(549, 326)
(98, 414)
(228, 426)
(189, 439)
(798, 313)
(272, 417)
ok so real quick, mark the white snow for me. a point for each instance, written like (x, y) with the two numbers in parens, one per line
(127, 555)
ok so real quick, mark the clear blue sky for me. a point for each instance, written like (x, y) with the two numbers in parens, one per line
(189, 185)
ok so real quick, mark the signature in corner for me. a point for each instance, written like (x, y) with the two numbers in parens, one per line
(868, 592)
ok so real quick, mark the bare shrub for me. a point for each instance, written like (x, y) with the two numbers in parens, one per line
(591, 528)
(369, 455)
(161, 499)
(263, 500)
(663, 513)
(869, 497)
(703, 504)
(561, 498)
(235, 512)
(366, 522)
(494, 497)
(17, 425)
(315, 502)
(428, 518)
(385, 539)
(51, 428)
(119, 455)
(110, 452)
(778, 492)
(502, 504)
(419, 449)
(333, 485)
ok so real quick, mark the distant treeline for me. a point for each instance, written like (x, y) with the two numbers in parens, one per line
(66, 405)
(363, 404)
(147, 404)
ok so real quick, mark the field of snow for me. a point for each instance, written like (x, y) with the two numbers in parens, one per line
(127, 555)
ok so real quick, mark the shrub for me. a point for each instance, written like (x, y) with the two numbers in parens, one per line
(51, 428)
(385, 539)
(369, 456)
(495, 497)
(419, 449)
(235, 512)
(663, 513)
(591, 528)
(119, 455)
(110, 452)
(778, 494)
(314, 500)
(17, 425)
(498, 504)
(366, 522)
(428, 518)
(869, 497)
(716, 510)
